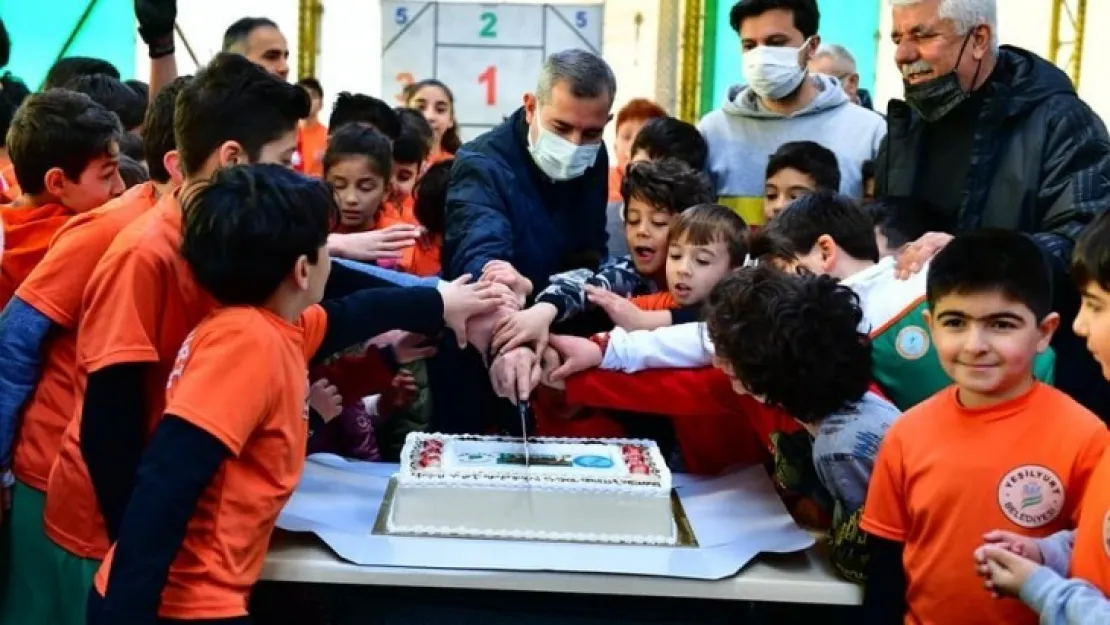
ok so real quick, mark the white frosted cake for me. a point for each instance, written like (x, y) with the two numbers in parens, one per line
(582, 490)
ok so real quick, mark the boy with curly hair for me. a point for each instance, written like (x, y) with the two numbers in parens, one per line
(770, 330)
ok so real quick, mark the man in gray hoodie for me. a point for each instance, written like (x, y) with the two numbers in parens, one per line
(781, 103)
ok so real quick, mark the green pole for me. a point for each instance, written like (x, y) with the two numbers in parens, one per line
(708, 57)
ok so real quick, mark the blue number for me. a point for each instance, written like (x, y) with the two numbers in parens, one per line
(580, 19)
(401, 16)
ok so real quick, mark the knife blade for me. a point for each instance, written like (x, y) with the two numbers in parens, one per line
(522, 408)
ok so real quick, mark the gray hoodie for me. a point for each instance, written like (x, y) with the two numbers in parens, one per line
(743, 134)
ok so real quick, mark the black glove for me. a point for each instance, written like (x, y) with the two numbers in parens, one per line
(156, 19)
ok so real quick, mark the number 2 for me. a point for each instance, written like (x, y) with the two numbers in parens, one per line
(580, 19)
(489, 79)
(489, 25)
(404, 79)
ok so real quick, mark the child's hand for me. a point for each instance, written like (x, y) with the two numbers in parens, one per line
(462, 300)
(1005, 572)
(400, 394)
(919, 252)
(578, 354)
(504, 273)
(368, 247)
(549, 362)
(1021, 545)
(529, 326)
(623, 312)
(325, 399)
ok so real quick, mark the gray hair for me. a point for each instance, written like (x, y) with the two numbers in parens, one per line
(586, 74)
(838, 53)
(966, 14)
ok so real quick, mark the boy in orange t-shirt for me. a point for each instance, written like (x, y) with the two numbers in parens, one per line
(229, 450)
(995, 450)
(1065, 577)
(38, 344)
(410, 151)
(65, 149)
(312, 136)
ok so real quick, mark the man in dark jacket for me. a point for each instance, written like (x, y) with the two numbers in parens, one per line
(996, 137)
(530, 193)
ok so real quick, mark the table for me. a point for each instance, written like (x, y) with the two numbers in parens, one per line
(804, 578)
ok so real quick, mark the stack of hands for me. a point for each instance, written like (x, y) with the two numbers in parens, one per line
(524, 354)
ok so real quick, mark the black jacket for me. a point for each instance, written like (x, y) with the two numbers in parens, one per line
(1040, 158)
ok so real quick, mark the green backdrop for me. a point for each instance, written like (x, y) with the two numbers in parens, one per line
(39, 30)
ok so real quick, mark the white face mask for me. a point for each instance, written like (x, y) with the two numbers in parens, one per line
(774, 72)
(558, 158)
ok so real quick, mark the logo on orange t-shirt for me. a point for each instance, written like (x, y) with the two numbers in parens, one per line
(1031, 496)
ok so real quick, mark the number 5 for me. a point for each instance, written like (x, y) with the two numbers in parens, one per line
(401, 16)
(580, 19)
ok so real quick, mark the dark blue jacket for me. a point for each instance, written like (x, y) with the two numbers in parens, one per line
(500, 206)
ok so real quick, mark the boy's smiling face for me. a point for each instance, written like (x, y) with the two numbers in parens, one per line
(986, 343)
(693, 270)
(1093, 324)
(404, 179)
(646, 228)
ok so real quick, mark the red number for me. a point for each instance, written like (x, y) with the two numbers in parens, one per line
(404, 79)
(489, 79)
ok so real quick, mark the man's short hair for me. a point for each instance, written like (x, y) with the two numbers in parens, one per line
(59, 128)
(312, 85)
(965, 14)
(993, 261)
(158, 136)
(810, 158)
(838, 54)
(586, 75)
(359, 108)
(807, 17)
(66, 69)
(238, 33)
(414, 143)
(667, 184)
(244, 232)
(811, 216)
(671, 137)
(775, 329)
(117, 97)
(706, 224)
(360, 140)
(232, 99)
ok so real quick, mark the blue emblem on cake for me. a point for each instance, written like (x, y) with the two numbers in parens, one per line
(593, 462)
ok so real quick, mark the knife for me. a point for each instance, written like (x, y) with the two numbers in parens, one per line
(523, 407)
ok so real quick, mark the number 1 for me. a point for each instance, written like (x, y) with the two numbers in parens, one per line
(489, 79)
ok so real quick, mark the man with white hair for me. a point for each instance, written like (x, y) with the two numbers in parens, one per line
(833, 59)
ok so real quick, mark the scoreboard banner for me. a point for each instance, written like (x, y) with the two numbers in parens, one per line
(488, 54)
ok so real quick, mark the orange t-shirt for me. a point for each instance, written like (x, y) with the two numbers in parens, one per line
(656, 301)
(259, 410)
(28, 230)
(139, 305)
(54, 289)
(946, 474)
(438, 157)
(1090, 559)
(313, 143)
(393, 212)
